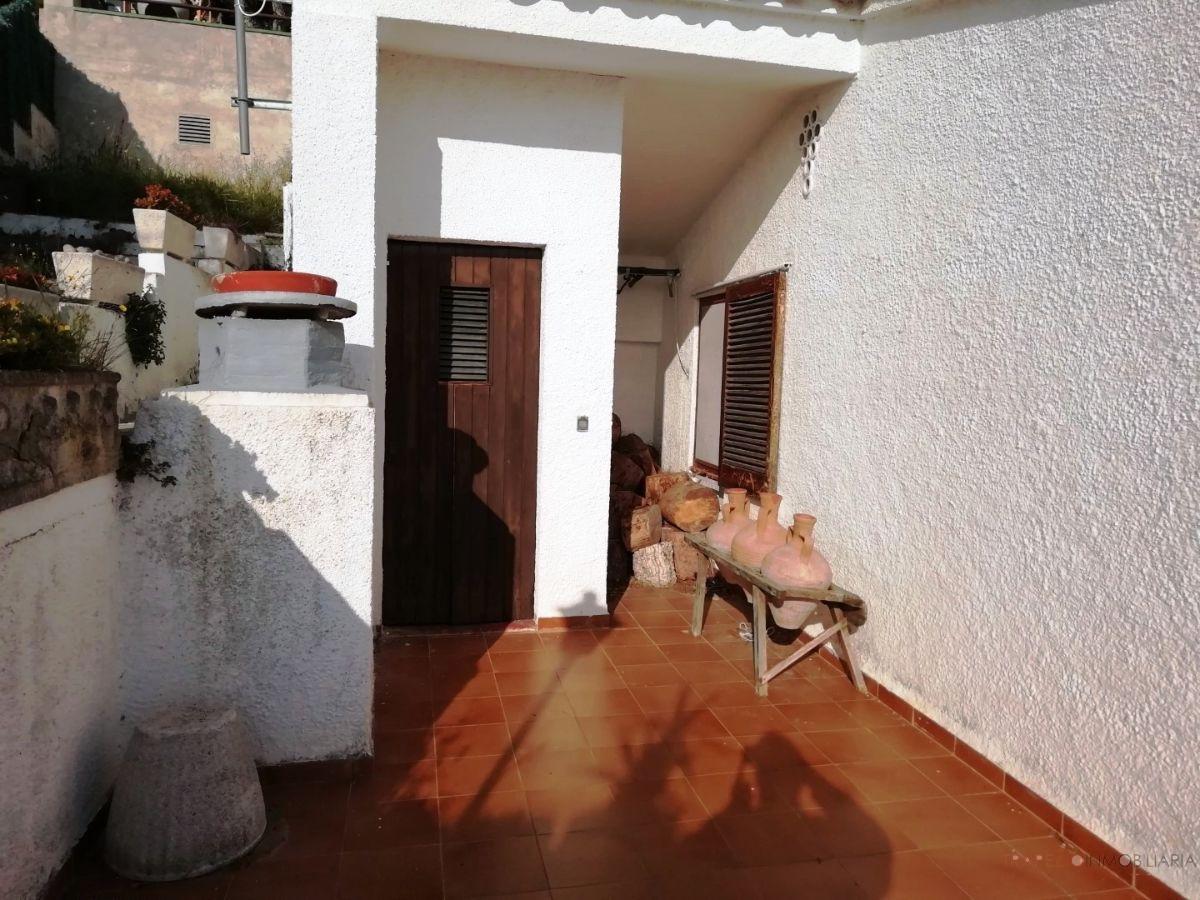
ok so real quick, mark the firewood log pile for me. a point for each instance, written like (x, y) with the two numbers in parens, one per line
(650, 511)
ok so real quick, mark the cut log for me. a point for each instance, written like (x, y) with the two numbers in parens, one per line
(625, 473)
(654, 565)
(629, 443)
(688, 560)
(645, 460)
(620, 502)
(660, 482)
(642, 527)
(637, 450)
(690, 507)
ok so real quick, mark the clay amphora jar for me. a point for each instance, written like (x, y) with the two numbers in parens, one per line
(797, 565)
(758, 538)
(733, 516)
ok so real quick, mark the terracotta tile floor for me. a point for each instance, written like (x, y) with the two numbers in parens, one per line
(632, 762)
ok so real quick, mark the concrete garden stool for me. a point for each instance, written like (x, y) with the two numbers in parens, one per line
(187, 798)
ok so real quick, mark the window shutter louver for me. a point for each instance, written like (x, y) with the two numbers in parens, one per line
(463, 321)
(747, 389)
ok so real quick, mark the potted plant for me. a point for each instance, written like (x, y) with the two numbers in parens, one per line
(162, 222)
(22, 283)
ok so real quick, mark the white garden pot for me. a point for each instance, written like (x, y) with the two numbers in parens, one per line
(91, 278)
(159, 231)
(225, 245)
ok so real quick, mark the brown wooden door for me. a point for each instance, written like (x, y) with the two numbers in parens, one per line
(461, 433)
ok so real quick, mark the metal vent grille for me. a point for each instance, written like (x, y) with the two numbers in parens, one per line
(195, 130)
(463, 316)
(749, 366)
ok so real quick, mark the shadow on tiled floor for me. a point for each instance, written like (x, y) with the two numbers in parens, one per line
(631, 762)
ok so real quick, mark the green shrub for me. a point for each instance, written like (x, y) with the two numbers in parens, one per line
(144, 317)
(105, 183)
(29, 340)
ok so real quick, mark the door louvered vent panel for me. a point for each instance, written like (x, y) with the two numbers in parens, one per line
(195, 130)
(463, 317)
(749, 365)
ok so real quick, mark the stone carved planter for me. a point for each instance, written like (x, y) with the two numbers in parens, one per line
(56, 429)
(93, 278)
(159, 231)
(227, 246)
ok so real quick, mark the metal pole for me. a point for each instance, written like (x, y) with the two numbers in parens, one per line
(243, 87)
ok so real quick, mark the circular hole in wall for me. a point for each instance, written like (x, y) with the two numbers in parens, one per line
(816, 129)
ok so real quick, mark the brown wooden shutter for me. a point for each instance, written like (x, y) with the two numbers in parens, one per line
(748, 389)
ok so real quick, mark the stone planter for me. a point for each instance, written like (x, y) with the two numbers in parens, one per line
(214, 267)
(224, 245)
(159, 231)
(56, 429)
(39, 301)
(93, 278)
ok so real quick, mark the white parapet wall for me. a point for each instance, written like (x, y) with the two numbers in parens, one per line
(60, 720)
(249, 581)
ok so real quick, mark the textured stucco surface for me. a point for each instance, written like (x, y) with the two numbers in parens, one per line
(59, 670)
(990, 394)
(249, 582)
(499, 154)
(725, 40)
(472, 152)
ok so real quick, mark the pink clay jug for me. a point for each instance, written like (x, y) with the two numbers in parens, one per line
(796, 565)
(733, 516)
(758, 538)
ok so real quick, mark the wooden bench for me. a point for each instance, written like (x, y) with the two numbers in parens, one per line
(847, 611)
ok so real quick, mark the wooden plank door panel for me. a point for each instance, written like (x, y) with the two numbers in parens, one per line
(460, 455)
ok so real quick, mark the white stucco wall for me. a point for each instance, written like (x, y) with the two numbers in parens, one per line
(990, 393)
(59, 669)
(497, 154)
(637, 369)
(474, 152)
(741, 40)
(249, 582)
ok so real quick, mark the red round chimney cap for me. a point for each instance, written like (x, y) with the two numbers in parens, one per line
(284, 282)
